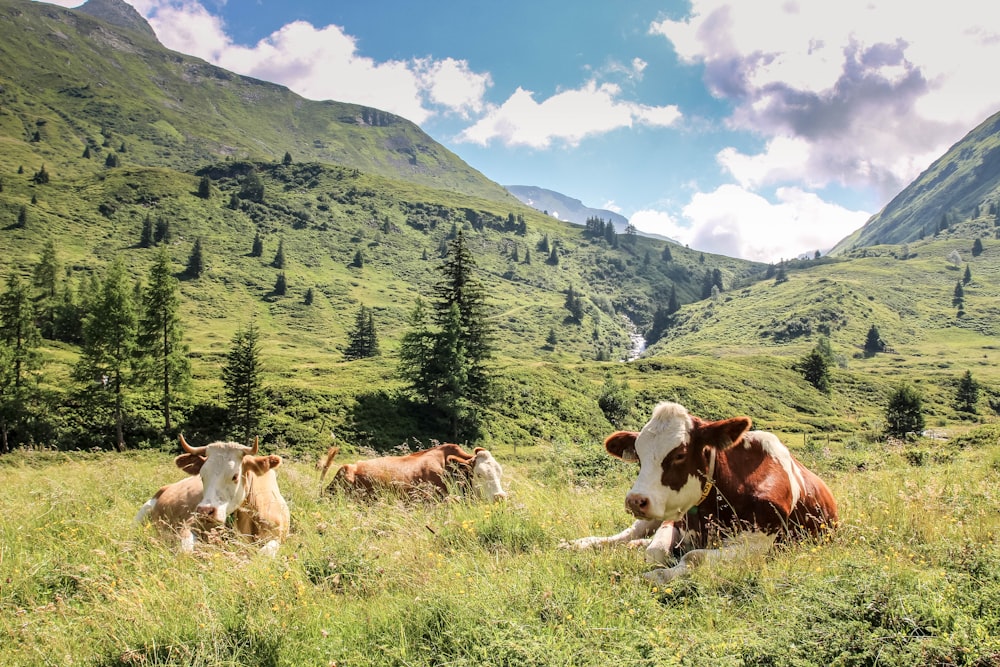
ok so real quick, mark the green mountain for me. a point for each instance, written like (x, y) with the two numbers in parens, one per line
(361, 202)
(963, 183)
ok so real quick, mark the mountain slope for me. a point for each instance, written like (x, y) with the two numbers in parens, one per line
(963, 181)
(564, 208)
(80, 81)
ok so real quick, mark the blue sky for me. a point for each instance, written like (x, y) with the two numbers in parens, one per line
(761, 129)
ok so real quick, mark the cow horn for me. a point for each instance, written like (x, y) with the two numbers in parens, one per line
(192, 450)
(252, 451)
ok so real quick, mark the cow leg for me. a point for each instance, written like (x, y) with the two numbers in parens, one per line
(270, 548)
(187, 540)
(736, 548)
(144, 511)
(637, 531)
(660, 549)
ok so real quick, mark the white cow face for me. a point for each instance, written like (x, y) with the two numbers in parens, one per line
(486, 476)
(223, 481)
(676, 453)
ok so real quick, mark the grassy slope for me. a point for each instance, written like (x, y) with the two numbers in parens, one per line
(910, 578)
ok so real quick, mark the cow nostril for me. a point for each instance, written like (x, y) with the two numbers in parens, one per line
(637, 504)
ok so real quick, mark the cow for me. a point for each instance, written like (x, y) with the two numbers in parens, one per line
(439, 470)
(226, 479)
(704, 481)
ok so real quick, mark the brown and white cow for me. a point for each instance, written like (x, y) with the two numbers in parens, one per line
(439, 470)
(226, 478)
(703, 481)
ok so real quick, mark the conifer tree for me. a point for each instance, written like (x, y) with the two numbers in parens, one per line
(205, 187)
(109, 338)
(252, 188)
(666, 255)
(86, 152)
(308, 298)
(967, 394)
(22, 217)
(45, 280)
(242, 376)
(904, 414)
(19, 338)
(873, 342)
(977, 247)
(279, 256)
(359, 260)
(162, 357)
(815, 368)
(257, 249)
(967, 276)
(363, 339)
(287, 159)
(161, 231)
(41, 176)
(146, 235)
(111, 161)
(280, 285)
(196, 261)
(958, 298)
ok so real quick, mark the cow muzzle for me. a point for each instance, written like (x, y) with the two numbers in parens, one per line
(638, 504)
(211, 513)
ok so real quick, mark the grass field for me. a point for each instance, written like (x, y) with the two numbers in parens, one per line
(911, 578)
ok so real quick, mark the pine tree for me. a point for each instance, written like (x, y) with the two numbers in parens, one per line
(280, 285)
(967, 394)
(109, 338)
(958, 298)
(111, 161)
(977, 247)
(359, 260)
(363, 339)
(967, 276)
(416, 350)
(873, 342)
(551, 340)
(205, 187)
(86, 152)
(287, 159)
(673, 305)
(904, 413)
(196, 261)
(279, 256)
(162, 355)
(242, 376)
(22, 217)
(41, 176)
(20, 338)
(666, 255)
(252, 188)
(257, 249)
(45, 280)
(553, 257)
(146, 235)
(815, 369)
(161, 231)
(308, 298)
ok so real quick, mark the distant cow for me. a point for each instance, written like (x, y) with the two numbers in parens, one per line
(439, 470)
(700, 481)
(226, 479)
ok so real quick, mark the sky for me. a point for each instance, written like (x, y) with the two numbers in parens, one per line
(759, 129)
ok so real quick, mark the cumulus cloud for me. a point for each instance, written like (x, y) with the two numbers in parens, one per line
(856, 92)
(568, 117)
(735, 222)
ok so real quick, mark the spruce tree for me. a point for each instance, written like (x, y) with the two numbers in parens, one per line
(196, 261)
(109, 338)
(363, 339)
(977, 247)
(252, 188)
(967, 276)
(279, 256)
(161, 231)
(904, 414)
(45, 280)
(20, 338)
(205, 187)
(287, 159)
(146, 235)
(308, 298)
(967, 394)
(280, 285)
(22, 217)
(162, 355)
(815, 369)
(242, 376)
(257, 249)
(873, 342)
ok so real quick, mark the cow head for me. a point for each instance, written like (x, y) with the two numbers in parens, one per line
(224, 468)
(482, 471)
(676, 453)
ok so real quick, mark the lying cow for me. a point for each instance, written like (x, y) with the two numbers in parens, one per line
(439, 469)
(700, 480)
(226, 479)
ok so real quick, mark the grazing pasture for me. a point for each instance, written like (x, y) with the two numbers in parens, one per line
(912, 576)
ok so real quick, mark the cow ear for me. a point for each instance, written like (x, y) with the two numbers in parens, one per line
(259, 465)
(190, 463)
(722, 434)
(621, 445)
(457, 464)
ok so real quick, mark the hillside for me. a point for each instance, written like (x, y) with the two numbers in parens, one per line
(962, 183)
(78, 81)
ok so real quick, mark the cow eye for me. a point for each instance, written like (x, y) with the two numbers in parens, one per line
(235, 477)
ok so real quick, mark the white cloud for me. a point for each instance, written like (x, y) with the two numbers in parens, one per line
(568, 116)
(857, 92)
(735, 222)
(321, 63)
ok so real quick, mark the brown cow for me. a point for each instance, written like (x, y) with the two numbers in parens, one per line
(438, 469)
(226, 479)
(700, 481)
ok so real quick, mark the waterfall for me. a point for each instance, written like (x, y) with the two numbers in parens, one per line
(638, 341)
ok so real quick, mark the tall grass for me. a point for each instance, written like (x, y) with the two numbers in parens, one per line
(912, 576)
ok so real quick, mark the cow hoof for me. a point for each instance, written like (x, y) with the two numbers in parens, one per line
(658, 556)
(664, 575)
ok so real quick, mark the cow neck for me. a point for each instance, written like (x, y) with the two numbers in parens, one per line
(709, 481)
